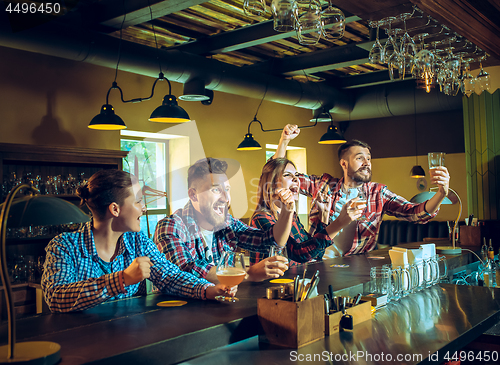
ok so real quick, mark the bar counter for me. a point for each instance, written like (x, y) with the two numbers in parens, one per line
(438, 319)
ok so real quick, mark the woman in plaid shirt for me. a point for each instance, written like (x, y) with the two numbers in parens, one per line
(108, 258)
(279, 176)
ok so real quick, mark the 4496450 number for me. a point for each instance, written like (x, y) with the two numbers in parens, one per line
(33, 8)
(472, 356)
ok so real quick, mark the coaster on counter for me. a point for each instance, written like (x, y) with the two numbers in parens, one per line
(376, 257)
(339, 265)
(171, 303)
(281, 281)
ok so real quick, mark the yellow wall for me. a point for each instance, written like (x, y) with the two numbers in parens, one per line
(47, 100)
(395, 173)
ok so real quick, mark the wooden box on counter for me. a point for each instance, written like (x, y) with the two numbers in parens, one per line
(470, 236)
(360, 313)
(291, 324)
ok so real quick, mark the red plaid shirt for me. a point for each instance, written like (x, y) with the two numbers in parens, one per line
(380, 201)
(301, 246)
(180, 239)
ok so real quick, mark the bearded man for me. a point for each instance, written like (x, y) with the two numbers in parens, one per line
(195, 236)
(360, 235)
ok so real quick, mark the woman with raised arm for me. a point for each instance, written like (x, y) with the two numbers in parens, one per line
(278, 179)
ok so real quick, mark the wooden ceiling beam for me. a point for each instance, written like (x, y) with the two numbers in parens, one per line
(137, 11)
(252, 35)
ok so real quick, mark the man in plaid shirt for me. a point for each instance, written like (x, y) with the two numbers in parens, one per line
(194, 237)
(109, 258)
(353, 236)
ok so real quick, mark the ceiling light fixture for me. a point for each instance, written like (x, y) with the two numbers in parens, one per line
(168, 112)
(416, 171)
(331, 136)
(249, 143)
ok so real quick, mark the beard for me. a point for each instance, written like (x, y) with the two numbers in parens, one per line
(209, 213)
(358, 175)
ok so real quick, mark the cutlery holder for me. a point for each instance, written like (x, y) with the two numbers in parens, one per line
(291, 324)
(360, 313)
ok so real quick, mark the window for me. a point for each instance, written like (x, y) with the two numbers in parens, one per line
(147, 159)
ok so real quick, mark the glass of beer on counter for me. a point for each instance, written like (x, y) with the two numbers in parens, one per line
(230, 272)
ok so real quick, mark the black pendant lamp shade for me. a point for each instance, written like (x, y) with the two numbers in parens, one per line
(249, 144)
(169, 112)
(107, 120)
(417, 172)
(331, 136)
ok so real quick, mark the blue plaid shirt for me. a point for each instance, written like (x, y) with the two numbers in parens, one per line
(72, 276)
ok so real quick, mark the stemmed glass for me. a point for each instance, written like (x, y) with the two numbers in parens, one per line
(230, 272)
(309, 26)
(376, 52)
(284, 14)
(390, 44)
(482, 80)
(407, 51)
(468, 82)
(333, 22)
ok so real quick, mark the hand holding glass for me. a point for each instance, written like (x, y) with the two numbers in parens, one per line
(362, 200)
(230, 272)
(436, 159)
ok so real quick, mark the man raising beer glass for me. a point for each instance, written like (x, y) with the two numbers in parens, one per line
(360, 235)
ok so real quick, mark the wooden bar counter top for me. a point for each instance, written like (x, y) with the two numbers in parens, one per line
(442, 318)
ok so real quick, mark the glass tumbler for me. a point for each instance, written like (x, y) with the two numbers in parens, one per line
(380, 282)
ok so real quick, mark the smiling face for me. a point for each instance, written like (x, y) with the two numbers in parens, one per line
(131, 211)
(211, 199)
(357, 165)
(289, 180)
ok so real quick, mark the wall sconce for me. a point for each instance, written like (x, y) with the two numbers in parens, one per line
(453, 198)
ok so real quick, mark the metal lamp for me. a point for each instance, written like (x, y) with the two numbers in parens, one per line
(30, 211)
(455, 198)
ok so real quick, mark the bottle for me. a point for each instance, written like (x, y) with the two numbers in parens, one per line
(484, 251)
(491, 252)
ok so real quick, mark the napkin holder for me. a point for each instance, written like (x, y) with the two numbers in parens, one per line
(291, 324)
(360, 313)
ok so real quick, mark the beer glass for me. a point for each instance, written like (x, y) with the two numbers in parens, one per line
(435, 159)
(380, 282)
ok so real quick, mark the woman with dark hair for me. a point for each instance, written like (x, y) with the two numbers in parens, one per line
(279, 176)
(109, 258)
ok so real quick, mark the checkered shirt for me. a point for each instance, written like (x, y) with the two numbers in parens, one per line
(180, 239)
(72, 277)
(380, 201)
(301, 247)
